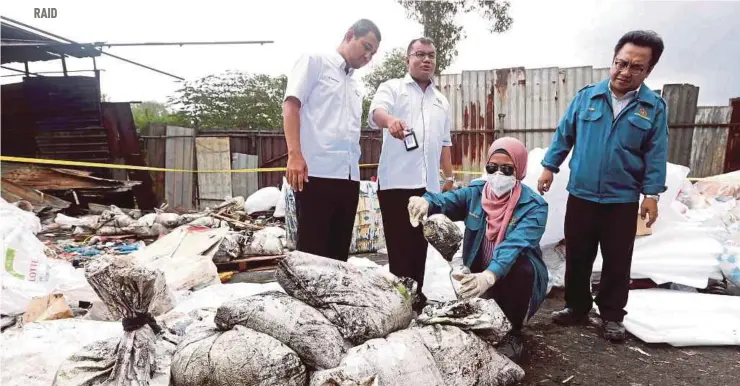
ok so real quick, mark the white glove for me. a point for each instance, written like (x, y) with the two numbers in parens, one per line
(418, 209)
(475, 284)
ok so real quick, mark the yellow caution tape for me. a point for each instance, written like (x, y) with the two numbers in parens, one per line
(135, 167)
(155, 169)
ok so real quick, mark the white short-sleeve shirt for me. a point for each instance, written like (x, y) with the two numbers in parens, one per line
(427, 113)
(331, 112)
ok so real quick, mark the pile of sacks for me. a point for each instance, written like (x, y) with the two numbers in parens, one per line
(335, 324)
(340, 324)
(114, 221)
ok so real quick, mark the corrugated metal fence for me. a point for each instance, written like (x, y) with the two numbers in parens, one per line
(528, 103)
(523, 103)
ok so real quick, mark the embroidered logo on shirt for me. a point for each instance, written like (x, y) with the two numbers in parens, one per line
(591, 109)
(642, 113)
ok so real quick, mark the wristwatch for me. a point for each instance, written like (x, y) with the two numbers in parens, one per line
(450, 179)
(655, 197)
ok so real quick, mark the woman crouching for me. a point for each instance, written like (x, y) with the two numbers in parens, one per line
(504, 222)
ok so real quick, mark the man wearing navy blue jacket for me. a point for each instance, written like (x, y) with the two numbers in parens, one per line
(618, 131)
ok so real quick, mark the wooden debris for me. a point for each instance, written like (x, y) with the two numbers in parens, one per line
(237, 223)
(250, 264)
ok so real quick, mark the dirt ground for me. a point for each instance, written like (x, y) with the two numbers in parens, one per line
(580, 356)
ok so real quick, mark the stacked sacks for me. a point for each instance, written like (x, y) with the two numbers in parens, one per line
(141, 355)
(365, 303)
(338, 324)
(295, 324)
(239, 356)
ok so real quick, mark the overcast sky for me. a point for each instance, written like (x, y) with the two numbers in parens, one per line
(702, 38)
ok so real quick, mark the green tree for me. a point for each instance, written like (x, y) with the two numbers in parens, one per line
(392, 66)
(233, 99)
(152, 112)
(439, 21)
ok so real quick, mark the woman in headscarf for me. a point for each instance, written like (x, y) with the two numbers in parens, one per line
(504, 222)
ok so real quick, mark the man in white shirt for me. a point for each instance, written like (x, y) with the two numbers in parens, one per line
(322, 110)
(416, 140)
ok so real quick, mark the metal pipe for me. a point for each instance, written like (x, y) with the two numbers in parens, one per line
(45, 72)
(102, 44)
(143, 65)
(103, 53)
(17, 70)
(64, 66)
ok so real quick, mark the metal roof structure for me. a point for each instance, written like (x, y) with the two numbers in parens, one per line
(48, 49)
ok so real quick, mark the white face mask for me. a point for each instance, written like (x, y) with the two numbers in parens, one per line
(500, 183)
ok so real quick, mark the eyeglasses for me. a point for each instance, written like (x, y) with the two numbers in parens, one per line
(507, 170)
(421, 55)
(634, 69)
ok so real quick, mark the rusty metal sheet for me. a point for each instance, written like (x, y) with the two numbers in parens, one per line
(42, 178)
(154, 148)
(476, 133)
(450, 85)
(542, 107)
(213, 153)
(681, 100)
(510, 104)
(12, 192)
(118, 121)
(709, 143)
(571, 80)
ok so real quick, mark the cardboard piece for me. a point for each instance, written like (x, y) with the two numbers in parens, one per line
(51, 307)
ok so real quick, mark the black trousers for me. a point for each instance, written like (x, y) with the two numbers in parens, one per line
(613, 227)
(513, 292)
(407, 247)
(326, 211)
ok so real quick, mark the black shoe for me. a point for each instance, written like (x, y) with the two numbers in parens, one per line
(511, 346)
(614, 331)
(568, 317)
(419, 303)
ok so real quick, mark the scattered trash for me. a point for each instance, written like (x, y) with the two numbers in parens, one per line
(25, 270)
(262, 200)
(50, 307)
(640, 351)
(566, 380)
